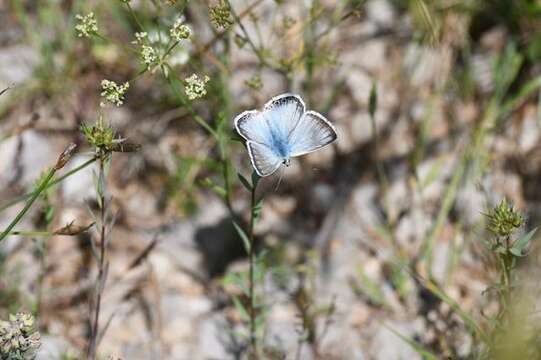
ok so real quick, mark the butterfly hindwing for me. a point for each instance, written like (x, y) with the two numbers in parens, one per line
(312, 132)
(264, 160)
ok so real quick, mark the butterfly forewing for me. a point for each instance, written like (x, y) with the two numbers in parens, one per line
(312, 132)
(264, 160)
(252, 125)
(283, 114)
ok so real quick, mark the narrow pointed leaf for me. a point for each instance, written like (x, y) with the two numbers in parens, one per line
(521, 243)
(245, 182)
(373, 100)
(243, 236)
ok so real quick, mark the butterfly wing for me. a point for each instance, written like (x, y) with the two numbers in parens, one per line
(277, 120)
(264, 160)
(283, 113)
(312, 133)
(252, 125)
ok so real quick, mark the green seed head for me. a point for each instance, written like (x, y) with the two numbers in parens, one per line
(504, 219)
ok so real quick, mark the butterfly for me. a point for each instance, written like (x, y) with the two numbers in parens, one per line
(282, 130)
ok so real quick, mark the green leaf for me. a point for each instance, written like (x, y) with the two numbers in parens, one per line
(219, 190)
(243, 236)
(241, 309)
(521, 243)
(239, 280)
(245, 182)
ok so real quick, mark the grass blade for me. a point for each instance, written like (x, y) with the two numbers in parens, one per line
(426, 354)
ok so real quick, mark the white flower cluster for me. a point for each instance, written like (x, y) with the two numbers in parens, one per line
(87, 25)
(18, 337)
(180, 31)
(195, 87)
(113, 92)
(148, 53)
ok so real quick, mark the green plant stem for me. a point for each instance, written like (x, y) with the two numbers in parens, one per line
(42, 186)
(169, 49)
(49, 185)
(227, 184)
(505, 275)
(505, 292)
(100, 281)
(30, 233)
(253, 335)
(135, 18)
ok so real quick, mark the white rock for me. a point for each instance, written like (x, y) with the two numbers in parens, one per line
(212, 339)
(79, 187)
(529, 135)
(35, 155)
(427, 65)
(54, 347)
(360, 84)
(17, 63)
(470, 203)
(440, 261)
(364, 204)
(381, 12)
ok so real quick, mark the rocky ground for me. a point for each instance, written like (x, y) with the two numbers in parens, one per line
(331, 212)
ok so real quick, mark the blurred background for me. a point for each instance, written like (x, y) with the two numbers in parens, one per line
(437, 109)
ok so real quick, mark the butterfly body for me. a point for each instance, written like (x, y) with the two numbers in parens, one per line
(280, 145)
(284, 129)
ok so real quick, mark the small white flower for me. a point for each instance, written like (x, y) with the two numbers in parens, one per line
(148, 54)
(180, 31)
(195, 87)
(113, 92)
(139, 37)
(87, 25)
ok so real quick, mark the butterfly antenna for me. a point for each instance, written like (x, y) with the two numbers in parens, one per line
(279, 179)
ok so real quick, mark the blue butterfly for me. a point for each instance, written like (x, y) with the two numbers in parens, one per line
(283, 129)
